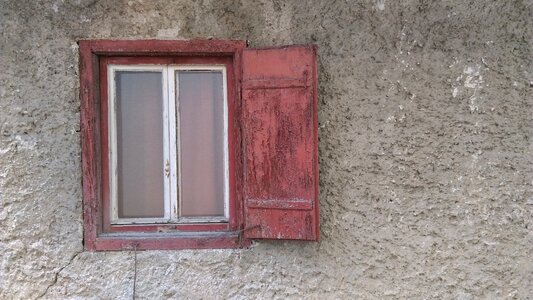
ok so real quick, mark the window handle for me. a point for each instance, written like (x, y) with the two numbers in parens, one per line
(167, 168)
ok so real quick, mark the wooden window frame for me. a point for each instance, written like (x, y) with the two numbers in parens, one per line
(99, 233)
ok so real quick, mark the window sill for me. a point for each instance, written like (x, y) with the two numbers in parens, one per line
(168, 241)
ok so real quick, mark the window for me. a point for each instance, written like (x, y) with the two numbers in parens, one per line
(197, 144)
(167, 143)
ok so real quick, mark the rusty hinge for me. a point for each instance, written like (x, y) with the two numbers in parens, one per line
(241, 236)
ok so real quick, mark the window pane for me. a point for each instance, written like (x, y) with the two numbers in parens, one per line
(139, 113)
(201, 105)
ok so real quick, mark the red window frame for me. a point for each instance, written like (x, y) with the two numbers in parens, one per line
(272, 141)
(99, 233)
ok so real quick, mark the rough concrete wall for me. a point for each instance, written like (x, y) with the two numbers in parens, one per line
(425, 156)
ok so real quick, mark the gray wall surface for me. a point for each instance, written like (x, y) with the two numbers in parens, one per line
(426, 167)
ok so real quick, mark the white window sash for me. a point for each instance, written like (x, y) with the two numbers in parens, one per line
(172, 155)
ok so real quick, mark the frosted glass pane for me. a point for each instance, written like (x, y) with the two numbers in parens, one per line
(201, 105)
(139, 113)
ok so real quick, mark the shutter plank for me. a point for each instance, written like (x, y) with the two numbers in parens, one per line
(280, 143)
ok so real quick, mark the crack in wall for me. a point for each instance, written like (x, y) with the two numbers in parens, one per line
(56, 275)
(134, 272)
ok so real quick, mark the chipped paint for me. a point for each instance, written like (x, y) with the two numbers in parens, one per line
(279, 136)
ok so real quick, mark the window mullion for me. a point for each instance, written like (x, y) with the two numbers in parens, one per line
(173, 138)
(166, 142)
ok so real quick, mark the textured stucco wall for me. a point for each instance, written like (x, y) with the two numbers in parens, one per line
(425, 112)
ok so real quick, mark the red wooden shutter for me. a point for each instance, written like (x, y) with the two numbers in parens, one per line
(279, 92)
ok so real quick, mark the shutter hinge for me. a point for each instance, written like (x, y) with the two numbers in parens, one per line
(241, 235)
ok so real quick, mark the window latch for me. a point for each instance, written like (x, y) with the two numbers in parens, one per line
(167, 168)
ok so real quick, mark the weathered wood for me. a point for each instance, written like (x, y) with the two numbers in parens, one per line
(95, 56)
(280, 143)
(273, 160)
(197, 227)
(164, 47)
(276, 84)
(296, 204)
(164, 242)
(89, 141)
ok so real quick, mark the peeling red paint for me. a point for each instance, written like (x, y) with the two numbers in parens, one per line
(99, 234)
(280, 143)
(273, 144)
